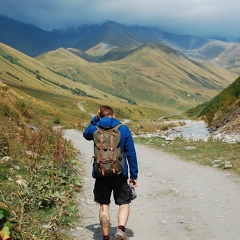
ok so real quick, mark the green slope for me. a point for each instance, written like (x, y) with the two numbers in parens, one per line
(52, 94)
(153, 75)
(222, 107)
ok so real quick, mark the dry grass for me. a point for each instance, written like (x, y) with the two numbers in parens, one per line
(38, 183)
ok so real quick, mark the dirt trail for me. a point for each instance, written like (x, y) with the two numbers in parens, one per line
(177, 200)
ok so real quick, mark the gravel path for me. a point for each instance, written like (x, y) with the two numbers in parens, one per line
(177, 200)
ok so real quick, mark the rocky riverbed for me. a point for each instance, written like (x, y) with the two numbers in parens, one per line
(194, 131)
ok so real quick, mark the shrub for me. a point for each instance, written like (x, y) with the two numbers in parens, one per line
(43, 184)
(57, 120)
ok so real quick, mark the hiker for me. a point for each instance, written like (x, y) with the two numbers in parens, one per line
(113, 179)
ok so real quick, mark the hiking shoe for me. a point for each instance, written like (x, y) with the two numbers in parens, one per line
(120, 235)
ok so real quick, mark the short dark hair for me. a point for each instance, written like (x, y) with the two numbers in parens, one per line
(105, 111)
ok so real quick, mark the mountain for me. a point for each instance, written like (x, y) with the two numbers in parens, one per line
(131, 37)
(26, 38)
(50, 94)
(87, 36)
(143, 69)
(112, 41)
(34, 41)
(39, 88)
(223, 111)
(109, 33)
(223, 54)
(153, 75)
(152, 80)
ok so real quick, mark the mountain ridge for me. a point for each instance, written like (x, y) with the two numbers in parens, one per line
(120, 40)
(153, 73)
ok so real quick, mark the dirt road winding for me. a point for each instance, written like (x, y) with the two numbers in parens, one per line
(177, 200)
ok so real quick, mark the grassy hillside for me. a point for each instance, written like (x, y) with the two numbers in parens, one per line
(153, 75)
(54, 94)
(223, 108)
(43, 88)
(150, 82)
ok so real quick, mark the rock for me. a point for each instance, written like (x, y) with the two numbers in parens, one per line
(216, 161)
(6, 159)
(33, 128)
(22, 182)
(169, 139)
(32, 154)
(189, 148)
(10, 179)
(47, 226)
(17, 167)
(227, 165)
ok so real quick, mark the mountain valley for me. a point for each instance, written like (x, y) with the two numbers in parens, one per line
(144, 70)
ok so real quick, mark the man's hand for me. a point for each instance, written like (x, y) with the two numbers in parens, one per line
(134, 182)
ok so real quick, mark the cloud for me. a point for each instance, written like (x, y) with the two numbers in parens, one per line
(196, 17)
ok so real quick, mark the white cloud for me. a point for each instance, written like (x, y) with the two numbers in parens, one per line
(196, 17)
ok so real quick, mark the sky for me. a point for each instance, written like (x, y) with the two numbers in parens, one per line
(202, 18)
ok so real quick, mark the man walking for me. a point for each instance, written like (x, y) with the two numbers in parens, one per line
(118, 183)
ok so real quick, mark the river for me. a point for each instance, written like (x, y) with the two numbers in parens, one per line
(198, 130)
(195, 130)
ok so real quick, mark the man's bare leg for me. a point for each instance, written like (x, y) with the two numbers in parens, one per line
(123, 214)
(104, 218)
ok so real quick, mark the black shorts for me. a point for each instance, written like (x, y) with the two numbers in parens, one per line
(104, 186)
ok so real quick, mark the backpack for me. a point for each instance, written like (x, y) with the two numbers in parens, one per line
(108, 158)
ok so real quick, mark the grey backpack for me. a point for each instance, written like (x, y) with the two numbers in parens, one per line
(108, 158)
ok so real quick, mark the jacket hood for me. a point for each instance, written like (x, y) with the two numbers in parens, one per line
(108, 122)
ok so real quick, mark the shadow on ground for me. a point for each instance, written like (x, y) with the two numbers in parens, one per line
(97, 231)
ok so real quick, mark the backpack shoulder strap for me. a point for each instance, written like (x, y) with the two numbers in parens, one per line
(101, 130)
(117, 126)
(97, 127)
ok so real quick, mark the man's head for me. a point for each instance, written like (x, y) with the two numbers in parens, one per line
(106, 111)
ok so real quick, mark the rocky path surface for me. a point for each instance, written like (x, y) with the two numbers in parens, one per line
(177, 200)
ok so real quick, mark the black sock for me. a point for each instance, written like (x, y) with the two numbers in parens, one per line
(106, 237)
(121, 227)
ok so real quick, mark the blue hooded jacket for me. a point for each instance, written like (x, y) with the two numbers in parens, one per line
(126, 143)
